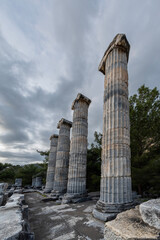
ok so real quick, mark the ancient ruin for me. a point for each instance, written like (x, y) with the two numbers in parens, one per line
(18, 182)
(115, 191)
(38, 182)
(76, 186)
(62, 157)
(33, 182)
(51, 163)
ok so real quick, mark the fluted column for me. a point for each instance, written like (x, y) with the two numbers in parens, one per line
(115, 191)
(62, 158)
(78, 150)
(51, 163)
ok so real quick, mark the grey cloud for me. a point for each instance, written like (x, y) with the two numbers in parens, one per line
(21, 158)
(81, 31)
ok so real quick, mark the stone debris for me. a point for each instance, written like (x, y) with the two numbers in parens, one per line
(51, 164)
(115, 190)
(13, 220)
(129, 225)
(150, 212)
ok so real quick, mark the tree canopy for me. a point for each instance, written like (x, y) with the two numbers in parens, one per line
(145, 140)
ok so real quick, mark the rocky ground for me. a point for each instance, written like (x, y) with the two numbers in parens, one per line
(50, 221)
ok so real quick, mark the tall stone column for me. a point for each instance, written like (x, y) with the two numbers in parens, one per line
(78, 151)
(51, 163)
(115, 191)
(62, 158)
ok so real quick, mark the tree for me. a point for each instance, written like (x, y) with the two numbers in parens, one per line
(94, 163)
(145, 139)
(26, 172)
(46, 154)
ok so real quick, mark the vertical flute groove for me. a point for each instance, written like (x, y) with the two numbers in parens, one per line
(51, 163)
(78, 150)
(115, 171)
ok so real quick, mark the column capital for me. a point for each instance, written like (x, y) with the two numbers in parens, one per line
(80, 97)
(64, 121)
(120, 41)
(54, 136)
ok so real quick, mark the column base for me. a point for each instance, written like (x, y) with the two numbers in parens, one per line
(57, 195)
(103, 216)
(74, 197)
(107, 212)
(47, 190)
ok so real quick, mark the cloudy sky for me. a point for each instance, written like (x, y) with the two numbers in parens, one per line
(50, 50)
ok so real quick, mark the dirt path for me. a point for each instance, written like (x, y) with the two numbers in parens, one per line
(50, 221)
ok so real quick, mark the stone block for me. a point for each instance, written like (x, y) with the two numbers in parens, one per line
(150, 212)
(128, 225)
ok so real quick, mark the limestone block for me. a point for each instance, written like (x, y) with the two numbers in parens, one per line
(129, 225)
(12, 224)
(18, 182)
(3, 187)
(150, 212)
(38, 183)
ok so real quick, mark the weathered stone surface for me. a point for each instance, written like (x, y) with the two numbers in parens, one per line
(51, 164)
(62, 157)
(115, 191)
(3, 187)
(78, 150)
(3, 193)
(13, 216)
(150, 212)
(103, 216)
(129, 225)
(18, 182)
(33, 182)
(1, 199)
(38, 182)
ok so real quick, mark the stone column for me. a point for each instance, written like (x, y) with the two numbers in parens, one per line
(115, 191)
(78, 151)
(62, 158)
(51, 163)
